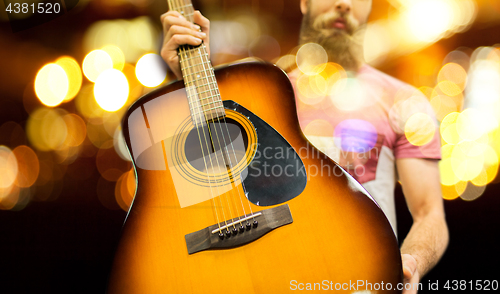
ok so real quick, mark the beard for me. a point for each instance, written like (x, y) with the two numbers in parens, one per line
(340, 44)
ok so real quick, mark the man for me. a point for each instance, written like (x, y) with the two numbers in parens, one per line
(369, 139)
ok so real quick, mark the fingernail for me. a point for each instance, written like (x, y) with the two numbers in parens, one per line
(202, 34)
(196, 27)
(197, 40)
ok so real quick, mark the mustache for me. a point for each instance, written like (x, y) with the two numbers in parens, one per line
(326, 21)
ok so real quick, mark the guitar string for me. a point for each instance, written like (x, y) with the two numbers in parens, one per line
(197, 81)
(198, 86)
(208, 74)
(215, 93)
(190, 60)
(172, 6)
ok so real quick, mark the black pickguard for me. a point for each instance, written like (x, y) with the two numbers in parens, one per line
(276, 174)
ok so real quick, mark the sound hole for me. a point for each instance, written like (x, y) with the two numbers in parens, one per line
(216, 146)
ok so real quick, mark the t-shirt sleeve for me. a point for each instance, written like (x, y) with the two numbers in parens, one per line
(431, 150)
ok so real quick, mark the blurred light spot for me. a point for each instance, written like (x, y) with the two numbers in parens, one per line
(51, 84)
(306, 93)
(377, 42)
(466, 167)
(46, 129)
(420, 129)
(95, 63)
(319, 127)
(125, 190)
(97, 134)
(428, 19)
(87, 105)
(10, 200)
(8, 167)
(453, 191)
(150, 70)
(355, 135)
(77, 130)
(349, 95)
(28, 165)
(116, 55)
(286, 62)
(472, 192)
(111, 90)
(134, 37)
(454, 74)
(74, 74)
(449, 88)
(448, 177)
(448, 128)
(471, 124)
(311, 58)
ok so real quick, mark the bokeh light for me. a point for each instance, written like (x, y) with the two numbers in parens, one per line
(51, 84)
(311, 58)
(28, 166)
(420, 129)
(150, 70)
(74, 75)
(95, 63)
(111, 90)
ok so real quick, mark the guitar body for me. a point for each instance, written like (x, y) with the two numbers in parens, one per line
(336, 235)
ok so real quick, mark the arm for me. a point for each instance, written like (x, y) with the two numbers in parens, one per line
(428, 237)
(178, 31)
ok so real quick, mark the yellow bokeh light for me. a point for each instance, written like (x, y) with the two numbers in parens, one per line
(309, 57)
(420, 129)
(8, 167)
(150, 70)
(51, 84)
(466, 167)
(471, 124)
(453, 191)
(95, 63)
(77, 130)
(111, 90)
(116, 55)
(28, 165)
(455, 74)
(46, 129)
(448, 128)
(449, 88)
(306, 94)
(74, 74)
(428, 19)
(448, 177)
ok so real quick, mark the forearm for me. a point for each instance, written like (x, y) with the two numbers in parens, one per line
(427, 240)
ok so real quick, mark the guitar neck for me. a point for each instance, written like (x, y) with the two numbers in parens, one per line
(198, 74)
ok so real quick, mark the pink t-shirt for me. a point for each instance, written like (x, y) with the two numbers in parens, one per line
(365, 123)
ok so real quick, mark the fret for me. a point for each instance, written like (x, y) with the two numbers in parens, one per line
(200, 71)
(213, 101)
(204, 111)
(209, 83)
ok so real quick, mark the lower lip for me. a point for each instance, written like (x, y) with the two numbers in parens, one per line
(339, 25)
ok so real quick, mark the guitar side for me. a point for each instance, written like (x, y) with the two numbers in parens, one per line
(338, 233)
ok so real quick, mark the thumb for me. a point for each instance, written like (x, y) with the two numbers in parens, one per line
(409, 266)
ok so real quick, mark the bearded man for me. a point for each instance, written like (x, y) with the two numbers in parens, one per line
(367, 111)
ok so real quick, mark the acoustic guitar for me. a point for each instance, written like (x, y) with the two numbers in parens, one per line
(232, 198)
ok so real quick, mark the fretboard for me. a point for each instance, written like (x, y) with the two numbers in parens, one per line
(202, 91)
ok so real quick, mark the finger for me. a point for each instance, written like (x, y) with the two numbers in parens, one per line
(201, 20)
(180, 30)
(178, 20)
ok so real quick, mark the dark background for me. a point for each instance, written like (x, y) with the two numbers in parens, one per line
(65, 245)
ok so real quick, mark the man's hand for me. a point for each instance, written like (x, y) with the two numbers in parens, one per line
(178, 31)
(410, 273)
